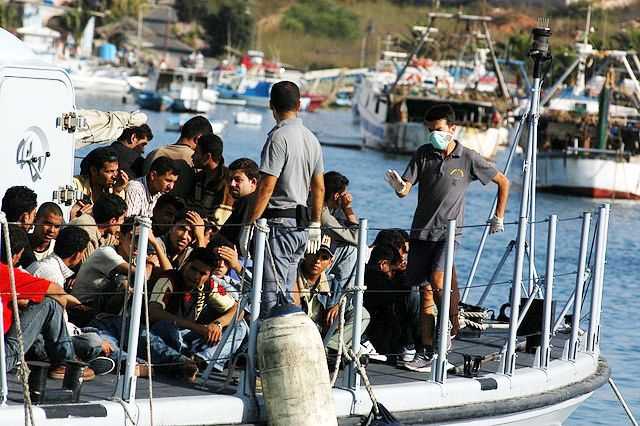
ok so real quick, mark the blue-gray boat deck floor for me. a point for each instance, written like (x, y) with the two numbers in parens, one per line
(487, 346)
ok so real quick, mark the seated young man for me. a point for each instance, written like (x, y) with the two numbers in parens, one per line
(383, 298)
(188, 232)
(39, 315)
(19, 204)
(103, 223)
(164, 213)
(49, 219)
(313, 295)
(188, 317)
(56, 268)
(105, 272)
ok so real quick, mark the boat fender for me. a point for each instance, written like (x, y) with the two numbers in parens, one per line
(293, 368)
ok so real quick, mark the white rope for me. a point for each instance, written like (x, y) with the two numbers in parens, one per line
(365, 379)
(334, 376)
(23, 368)
(150, 378)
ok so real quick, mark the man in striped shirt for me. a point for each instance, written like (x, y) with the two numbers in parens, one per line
(141, 194)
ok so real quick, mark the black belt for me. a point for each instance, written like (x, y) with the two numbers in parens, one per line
(280, 213)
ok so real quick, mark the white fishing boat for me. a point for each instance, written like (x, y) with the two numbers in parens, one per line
(391, 101)
(248, 118)
(515, 380)
(176, 121)
(589, 140)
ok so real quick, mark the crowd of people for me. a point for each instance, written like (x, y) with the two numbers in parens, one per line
(74, 274)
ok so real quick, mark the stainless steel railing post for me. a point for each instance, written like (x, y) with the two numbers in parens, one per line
(580, 279)
(129, 387)
(445, 305)
(596, 288)
(256, 297)
(358, 299)
(548, 293)
(485, 232)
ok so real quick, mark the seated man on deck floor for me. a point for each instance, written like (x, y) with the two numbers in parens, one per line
(313, 291)
(39, 314)
(188, 313)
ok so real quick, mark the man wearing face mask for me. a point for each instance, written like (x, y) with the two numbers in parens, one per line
(443, 169)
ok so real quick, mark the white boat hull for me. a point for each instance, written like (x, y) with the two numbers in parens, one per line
(605, 177)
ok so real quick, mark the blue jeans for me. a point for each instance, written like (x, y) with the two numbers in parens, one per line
(343, 269)
(44, 318)
(287, 245)
(172, 345)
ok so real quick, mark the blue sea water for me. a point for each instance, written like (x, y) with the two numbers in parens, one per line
(373, 199)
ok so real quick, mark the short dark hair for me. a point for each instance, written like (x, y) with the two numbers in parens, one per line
(97, 158)
(195, 127)
(393, 237)
(49, 208)
(247, 166)
(285, 96)
(142, 131)
(211, 143)
(107, 207)
(204, 255)
(384, 252)
(127, 226)
(218, 240)
(334, 182)
(18, 200)
(19, 240)
(439, 112)
(162, 165)
(170, 199)
(71, 240)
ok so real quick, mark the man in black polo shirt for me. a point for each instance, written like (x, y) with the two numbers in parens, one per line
(443, 169)
(129, 148)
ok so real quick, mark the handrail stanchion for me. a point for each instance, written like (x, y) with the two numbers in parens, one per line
(580, 278)
(545, 353)
(129, 387)
(494, 277)
(485, 231)
(445, 304)
(597, 282)
(3, 359)
(354, 378)
(256, 297)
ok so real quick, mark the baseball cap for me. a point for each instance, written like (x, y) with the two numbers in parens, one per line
(327, 244)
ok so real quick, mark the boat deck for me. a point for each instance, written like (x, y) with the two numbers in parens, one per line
(487, 346)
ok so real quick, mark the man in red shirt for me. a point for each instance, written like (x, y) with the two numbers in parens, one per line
(38, 314)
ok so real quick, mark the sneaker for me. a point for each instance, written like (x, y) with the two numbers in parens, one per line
(421, 362)
(408, 353)
(102, 365)
(189, 371)
(366, 348)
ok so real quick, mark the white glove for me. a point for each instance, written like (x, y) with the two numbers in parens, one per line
(244, 239)
(496, 225)
(315, 237)
(393, 178)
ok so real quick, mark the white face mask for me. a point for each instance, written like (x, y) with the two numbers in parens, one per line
(440, 139)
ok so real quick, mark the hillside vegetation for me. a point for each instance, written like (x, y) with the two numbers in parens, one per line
(326, 33)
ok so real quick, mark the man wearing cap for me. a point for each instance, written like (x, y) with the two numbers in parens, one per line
(313, 293)
(291, 167)
(443, 169)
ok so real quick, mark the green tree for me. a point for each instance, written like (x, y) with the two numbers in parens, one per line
(191, 10)
(9, 18)
(73, 22)
(321, 17)
(118, 9)
(228, 21)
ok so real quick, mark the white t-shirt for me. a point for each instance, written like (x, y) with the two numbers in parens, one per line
(93, 276)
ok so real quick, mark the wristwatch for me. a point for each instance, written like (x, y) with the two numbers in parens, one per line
(219, 324)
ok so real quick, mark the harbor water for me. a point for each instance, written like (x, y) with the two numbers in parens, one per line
(373, 199)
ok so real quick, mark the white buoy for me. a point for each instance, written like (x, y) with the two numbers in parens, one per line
(293, 368)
